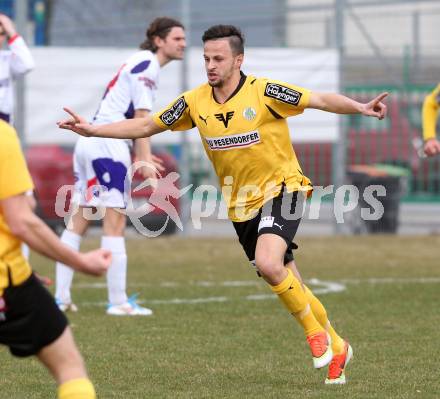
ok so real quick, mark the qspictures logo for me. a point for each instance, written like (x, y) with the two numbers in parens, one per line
(164, 193)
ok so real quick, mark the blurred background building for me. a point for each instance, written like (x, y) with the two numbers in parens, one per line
(397, 38)
(382, 45)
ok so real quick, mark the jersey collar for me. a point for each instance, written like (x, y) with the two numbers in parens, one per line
(237, 89)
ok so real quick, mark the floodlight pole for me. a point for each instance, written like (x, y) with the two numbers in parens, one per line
(185, 200)
(340, 147)
(19, 112)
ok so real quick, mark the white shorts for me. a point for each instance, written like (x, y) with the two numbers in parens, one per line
(100, 168)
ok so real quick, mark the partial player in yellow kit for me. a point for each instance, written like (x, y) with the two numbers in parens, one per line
(30, 322)
(430, 109)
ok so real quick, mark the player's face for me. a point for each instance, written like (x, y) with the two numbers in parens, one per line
(220, 62)
(173, 46)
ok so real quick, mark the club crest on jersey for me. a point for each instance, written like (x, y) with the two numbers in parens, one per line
(173, 114)
(249, 114)
(282, 93)
(234, 141)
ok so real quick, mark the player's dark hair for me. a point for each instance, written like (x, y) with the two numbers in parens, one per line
(232, 33)
(160, 27)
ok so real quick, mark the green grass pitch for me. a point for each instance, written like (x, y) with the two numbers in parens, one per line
(217, 331)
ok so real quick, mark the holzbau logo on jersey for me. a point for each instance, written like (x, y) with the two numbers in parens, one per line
(173, 114)
(282, 93)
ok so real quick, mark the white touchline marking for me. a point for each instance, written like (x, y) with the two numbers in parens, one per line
(320, 287)
(174, 301)
(177, 301)
(392, 280)
(326, 287)
(100, 304)
(260, 297)
(239, 283)
(90, 285)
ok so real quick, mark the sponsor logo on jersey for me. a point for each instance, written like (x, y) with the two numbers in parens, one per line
(234, 141)
(225, 118)
(249, 114)
(278, 225)
(204, 119)
(151, 84)
(282, 93)
(266, 221)
(173, 114)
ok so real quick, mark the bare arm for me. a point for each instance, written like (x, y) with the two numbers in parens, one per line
(28, 227)
(142, 148)
(127, 129)
(339, 104)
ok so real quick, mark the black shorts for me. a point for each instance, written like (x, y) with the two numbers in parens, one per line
(30, 318)
(280, 216)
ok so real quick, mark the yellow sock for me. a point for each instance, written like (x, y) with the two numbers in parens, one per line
(321, 315)
(292, 295)
(80, 388)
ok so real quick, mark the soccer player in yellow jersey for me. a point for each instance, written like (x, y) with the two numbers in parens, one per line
(30, 321)
(430, 110)
(242, 125)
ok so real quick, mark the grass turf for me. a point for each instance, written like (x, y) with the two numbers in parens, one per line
(235, 347)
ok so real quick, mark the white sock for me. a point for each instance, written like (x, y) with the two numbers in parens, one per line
(117, 272)
(25, 250)
(64, 274)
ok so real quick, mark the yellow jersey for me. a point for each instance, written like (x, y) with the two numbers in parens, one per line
(14, 179)
(431, 106)
(246, 138)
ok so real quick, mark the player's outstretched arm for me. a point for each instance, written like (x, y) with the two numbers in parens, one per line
(340, 104)
(126, 129)
(28, 227)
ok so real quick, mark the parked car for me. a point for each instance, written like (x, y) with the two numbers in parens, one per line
(51, 167)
